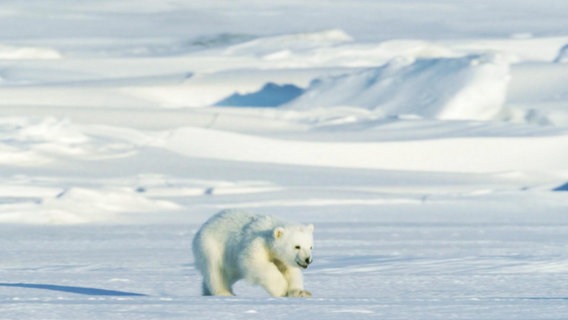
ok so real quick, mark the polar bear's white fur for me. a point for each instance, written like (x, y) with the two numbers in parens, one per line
(264, 250)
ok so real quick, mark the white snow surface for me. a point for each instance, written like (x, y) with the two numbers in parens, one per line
(425, 150)
(470, 88)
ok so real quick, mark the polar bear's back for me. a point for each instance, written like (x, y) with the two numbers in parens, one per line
(231, 224)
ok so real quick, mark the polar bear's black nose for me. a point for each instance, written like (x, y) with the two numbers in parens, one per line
(308, 260)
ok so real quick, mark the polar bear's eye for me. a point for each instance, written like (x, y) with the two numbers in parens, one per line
(297, 247)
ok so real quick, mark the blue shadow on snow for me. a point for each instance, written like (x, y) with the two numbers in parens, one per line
(271, 95)
(72, 289)
(563, 187)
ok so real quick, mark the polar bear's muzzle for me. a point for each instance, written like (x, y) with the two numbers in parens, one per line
(304, 263)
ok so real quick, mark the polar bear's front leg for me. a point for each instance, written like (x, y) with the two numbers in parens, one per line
(295, 278)
(269, 277)
(299, 294)
(295, 283)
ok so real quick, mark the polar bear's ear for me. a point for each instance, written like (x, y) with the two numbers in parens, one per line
(310, 227)
(278, 232)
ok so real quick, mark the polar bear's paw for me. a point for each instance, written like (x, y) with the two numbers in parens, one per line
(296, 293)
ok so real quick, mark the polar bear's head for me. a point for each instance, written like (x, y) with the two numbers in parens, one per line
(293, 245)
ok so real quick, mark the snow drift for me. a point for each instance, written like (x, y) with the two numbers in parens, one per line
(277, 46)
(472, 87)
(79, 205)
(459, 155)
(27, 53)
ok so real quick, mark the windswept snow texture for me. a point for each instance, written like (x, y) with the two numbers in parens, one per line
(470, 88)
(427, 141)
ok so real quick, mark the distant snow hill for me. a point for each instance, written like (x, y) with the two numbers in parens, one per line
(464, 88)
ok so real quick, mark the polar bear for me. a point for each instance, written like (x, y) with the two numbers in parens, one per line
(263, 250)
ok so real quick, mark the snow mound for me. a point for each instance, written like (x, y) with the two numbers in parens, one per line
(27, 53)
(82, 205)
(24, 142)
(285, 44)
(464, 154)
(28, 142)
(465, 88)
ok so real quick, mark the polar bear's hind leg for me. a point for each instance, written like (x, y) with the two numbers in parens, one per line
(214, 284)
(208, 260)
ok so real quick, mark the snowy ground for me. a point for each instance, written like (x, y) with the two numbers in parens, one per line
(428, 143)
(393, 270)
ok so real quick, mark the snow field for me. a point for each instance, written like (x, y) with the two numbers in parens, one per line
(394, 270)
(427, 142)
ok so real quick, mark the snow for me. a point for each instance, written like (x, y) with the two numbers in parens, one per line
(562, 56)
(470, 88)
(427, 142)
(27, 53)
(270, 95)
